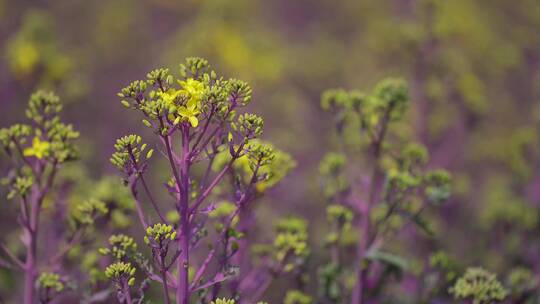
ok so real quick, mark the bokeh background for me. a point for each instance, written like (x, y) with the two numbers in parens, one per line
(473, 67)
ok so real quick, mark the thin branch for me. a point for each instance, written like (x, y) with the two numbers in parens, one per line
(211, 159)
(65, 249)
(25, 160)
(176, 255)
(220, 277)
(138, 205)
(23, 204)
(216, 180)
(48, 183)
(207, 123)
(164, 278)
(202, 269)
(214, 132)
(5, 264)
(170, 157)
(152, 201)
(139, 172)
(171, 281)
(12, 256)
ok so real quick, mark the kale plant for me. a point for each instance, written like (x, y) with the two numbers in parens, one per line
(375, 187)
(38, 151)
(204, 139)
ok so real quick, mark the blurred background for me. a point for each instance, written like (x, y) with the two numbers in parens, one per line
(473, 68)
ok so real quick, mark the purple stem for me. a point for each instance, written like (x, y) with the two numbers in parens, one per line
(127, 294)
(30, 267)
(164, 278)
(152, 200)
(216, 180)
(201, 134)
(138, 205)
(182, 292)
(12, 256)
(202, 269)
(377, 178)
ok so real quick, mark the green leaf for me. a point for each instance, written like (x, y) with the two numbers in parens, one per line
(419, 221)
(387, 258)
(422, 224)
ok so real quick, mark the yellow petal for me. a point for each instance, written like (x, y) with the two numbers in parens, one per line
(194, 121)
(28, 152)
(183, 111)
(192, 104)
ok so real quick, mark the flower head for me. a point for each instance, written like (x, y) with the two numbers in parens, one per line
(189, 112)
(297, 297)
(223, 301)
(51, 281)
(121, 271)
(169, 96)
(193, 89)
(159, 233)
(480, 286)
(39, 149)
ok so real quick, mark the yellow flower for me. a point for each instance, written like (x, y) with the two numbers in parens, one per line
(38, 149)
(169, 96)
(24, 57)
(194, 89)
(190, 112)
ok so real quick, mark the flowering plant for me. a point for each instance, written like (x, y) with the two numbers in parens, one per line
(38, 151)
(369, 207)
(203, 139)
(196, 209)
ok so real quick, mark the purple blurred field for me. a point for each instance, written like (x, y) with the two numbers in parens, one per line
(473, 74)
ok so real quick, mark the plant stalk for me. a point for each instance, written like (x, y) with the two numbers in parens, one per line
(182, 292)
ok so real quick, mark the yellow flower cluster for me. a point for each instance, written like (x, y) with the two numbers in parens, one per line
(51, 281)
(191, 90)
(119, 270)
(159, 232)
(39, 149)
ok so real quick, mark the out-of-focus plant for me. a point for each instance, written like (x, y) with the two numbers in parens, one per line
(287, 255)
(480, 286)
(38, 151)
(49, 284)
(240, 178)
(375, 205)
(522, 285)
(297, 297)
(203, 139)
(33, 54)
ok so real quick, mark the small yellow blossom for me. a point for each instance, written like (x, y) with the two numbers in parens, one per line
(38, 149)
(190, 112)
(194, 89)
(24, 57)
(169, 96)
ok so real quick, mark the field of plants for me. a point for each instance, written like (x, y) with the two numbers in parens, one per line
(265, 152)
